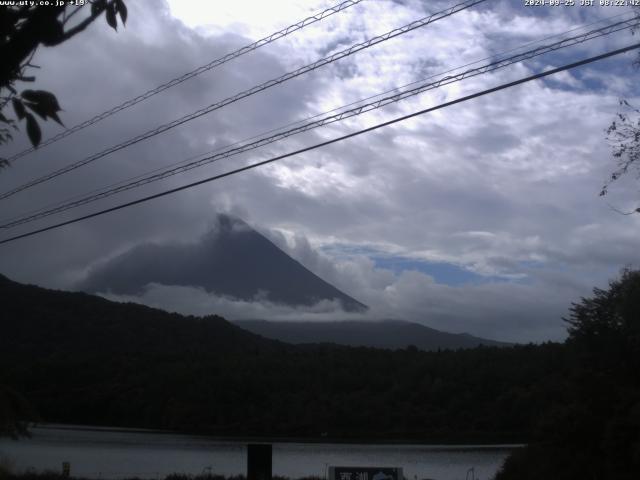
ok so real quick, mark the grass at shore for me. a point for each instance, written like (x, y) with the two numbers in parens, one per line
(7, 474)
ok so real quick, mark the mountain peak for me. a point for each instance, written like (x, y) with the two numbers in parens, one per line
(232, 259)
(226, 222)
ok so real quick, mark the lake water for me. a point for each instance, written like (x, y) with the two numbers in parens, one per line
(114, 454)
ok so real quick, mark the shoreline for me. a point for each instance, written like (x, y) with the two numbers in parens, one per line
(244, 439)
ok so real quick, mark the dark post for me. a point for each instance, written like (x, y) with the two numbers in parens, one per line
(259, 461)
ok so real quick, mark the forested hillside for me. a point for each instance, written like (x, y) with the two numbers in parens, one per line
(392, 334)
(83, 359)
(590, 428)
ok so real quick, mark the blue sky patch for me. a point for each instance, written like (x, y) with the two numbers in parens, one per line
(442, 272)
(446, 273)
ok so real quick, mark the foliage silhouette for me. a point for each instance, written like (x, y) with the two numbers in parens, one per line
(592, 430)
(14, 408)
(23, 28)
(623, 135)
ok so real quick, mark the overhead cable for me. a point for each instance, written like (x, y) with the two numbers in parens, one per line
(394, 90)
(193, 73)
(328, 119)
(252, 91)
(328, 142)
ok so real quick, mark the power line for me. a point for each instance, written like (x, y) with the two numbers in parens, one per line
(297, 122)
(402, 95)
(252, 91)
(328, 142)
(188, 164)
(30, 215)
(193, 73)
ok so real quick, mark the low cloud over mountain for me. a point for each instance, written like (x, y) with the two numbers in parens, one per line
(232, 260)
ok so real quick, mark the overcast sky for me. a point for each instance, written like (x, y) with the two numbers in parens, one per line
(482, 218)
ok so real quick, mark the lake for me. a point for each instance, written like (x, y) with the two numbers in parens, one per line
(117, 453)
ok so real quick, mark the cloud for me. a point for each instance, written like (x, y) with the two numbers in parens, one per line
(502, 186)
(231, 260)
(197, 301)
(502, 310)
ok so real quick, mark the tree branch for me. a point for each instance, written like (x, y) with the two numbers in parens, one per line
(83, 25)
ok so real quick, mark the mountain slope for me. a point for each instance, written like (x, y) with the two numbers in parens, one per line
(232, 260)
(70, 323)
(81, 359)
(391, 334)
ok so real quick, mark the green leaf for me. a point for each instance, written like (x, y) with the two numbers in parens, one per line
(18, 107)
(122, 10)
(33, 130)
(44, 103)
(51, 32)
(56, 118)
(97, 7)
(42, 97)
(38, 109)
(111, 16)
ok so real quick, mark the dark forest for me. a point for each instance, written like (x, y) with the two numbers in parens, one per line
(80, 359)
